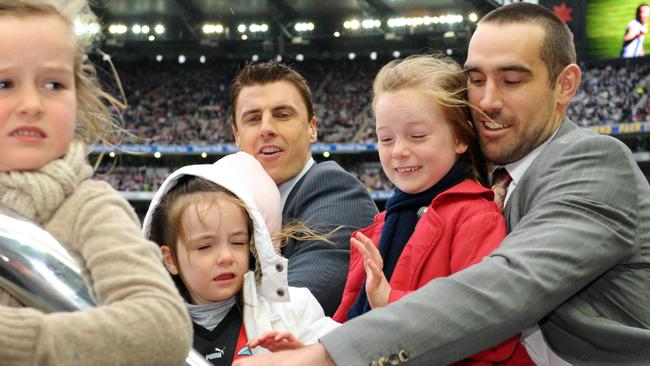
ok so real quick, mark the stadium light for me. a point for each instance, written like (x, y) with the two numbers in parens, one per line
(352, 55)
(278, 58)
(244, 37)
(371, 23)
(300, 57)
(473, 17)
(241, 28)
(256, 28)
(352, 24)
(424, 21)
(152, 38)
(157, 155)
(136, 29)
(117, 29)
(373, 55)
(204, 155)
(159, 58)
(181, 59)
(337, 34)
(159, 29)
(396, 54)
(210, 28)
(145, 29)
(202, 59)
(304, 27)
(255, 58)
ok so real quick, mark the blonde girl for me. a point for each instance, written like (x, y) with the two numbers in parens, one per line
(440, 218)
(51, 107)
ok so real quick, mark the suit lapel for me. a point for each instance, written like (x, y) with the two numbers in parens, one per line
(516, 206)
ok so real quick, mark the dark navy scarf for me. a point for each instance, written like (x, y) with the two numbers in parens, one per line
(402, 214)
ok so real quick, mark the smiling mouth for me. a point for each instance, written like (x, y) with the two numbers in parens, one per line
(270, 150)
(491, 125)
(409, 169)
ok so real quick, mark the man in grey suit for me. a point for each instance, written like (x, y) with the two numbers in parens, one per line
(273, 120)
(573, 275)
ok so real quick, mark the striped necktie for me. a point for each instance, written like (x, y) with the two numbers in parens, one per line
(500, 181)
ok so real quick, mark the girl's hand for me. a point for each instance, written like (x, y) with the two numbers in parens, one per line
(277, 341)
(377, 287)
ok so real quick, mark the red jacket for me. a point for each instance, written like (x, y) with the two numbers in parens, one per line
(459, 228)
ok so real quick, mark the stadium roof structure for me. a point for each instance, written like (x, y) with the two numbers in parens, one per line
(237, 26)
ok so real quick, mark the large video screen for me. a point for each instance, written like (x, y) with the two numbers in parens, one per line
(617, 28)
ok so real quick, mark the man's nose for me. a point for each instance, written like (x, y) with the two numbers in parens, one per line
(267, 128)
(491, 100)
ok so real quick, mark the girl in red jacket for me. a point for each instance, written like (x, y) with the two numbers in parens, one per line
(441, 217)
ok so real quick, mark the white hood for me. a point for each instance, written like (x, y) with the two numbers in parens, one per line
(244, 176)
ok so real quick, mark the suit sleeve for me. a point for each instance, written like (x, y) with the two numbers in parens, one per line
(326, 200)
(577, 226)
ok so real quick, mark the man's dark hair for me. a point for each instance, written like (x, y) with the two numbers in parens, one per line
(638, 11)
(558, 49)
(265, 73)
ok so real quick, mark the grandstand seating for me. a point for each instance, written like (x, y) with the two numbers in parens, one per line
(188, 105)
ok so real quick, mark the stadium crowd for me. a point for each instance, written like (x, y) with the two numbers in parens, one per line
(172, 104)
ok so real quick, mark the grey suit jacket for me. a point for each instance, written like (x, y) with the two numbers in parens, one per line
(576, 261)
(325, 198)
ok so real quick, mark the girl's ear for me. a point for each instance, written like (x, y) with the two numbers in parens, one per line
(459, 146)
(168, 260)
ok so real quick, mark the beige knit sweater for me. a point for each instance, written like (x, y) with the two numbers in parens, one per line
(141, 319)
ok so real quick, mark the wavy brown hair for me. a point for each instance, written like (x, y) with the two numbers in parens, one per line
(95, 120)
(167, 228)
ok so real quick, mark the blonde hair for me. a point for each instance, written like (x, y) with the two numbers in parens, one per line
(167, 228)
(95, 122)
(442, 80)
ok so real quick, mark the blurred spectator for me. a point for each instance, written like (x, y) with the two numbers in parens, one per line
(173, 104)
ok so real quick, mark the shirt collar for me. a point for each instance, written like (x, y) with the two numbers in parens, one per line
(518, 168)
(286, 187)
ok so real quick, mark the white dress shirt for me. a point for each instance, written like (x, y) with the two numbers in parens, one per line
(532, 338)
(286, 187)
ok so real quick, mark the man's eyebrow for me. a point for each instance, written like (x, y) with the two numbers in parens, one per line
(515, 68)
(284, 106)
(508, 68)
(250, 111)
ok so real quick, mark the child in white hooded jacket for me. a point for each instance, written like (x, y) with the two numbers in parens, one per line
(211, 224)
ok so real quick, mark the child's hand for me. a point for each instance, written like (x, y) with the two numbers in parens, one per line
(277, 341)
(377, 287)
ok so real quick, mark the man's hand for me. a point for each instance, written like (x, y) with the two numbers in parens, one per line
(313, 355)
(276, 341)
(377, 287)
